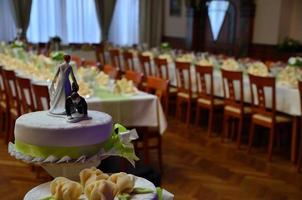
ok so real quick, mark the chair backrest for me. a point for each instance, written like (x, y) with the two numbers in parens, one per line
(3, 94)
(183, 75)
(300, 92)
(10, 85)
(162, 68)
(136, 77)
(26, 96)
(41, 93)
(128, 61)
(205, 82)
(113, 72)
(115, 58)
(77, 60)
(145, 64)
(90, 63)
(229, 80)
(259, 101)
(159, 87)
(100, 54)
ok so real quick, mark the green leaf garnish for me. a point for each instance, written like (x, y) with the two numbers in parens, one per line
(124, 197)
(159, 192)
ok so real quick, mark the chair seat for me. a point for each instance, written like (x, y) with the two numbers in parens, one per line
(14, 112)
(246, 109)
(3, 104)
(186, 95)
(172, 89)
(204, 101)
(268, 119)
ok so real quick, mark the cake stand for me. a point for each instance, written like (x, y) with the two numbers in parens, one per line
(69, 170)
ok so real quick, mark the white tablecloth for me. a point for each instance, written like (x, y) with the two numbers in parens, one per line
(139, 110)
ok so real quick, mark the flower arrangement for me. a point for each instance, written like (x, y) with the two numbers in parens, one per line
(188, 57)
(205, 62)
(18, 44)
(295, 61)
(258, 69)
(165, 46)
(166, 56)
(290, 76)
(57, 55)
(230, 64)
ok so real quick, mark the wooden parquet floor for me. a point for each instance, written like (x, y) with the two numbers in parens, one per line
(195, 167)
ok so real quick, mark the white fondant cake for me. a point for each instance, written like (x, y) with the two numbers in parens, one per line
(38, 134)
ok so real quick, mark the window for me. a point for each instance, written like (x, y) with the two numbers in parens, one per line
(7, 23)
(124, 29)
(217, 10)
(74, 21)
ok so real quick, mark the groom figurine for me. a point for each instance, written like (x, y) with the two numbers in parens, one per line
(75, 103)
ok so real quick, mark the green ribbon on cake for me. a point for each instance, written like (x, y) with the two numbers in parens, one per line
(45, 151)
(117, 145)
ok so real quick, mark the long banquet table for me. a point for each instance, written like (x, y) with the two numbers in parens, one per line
(287, 98)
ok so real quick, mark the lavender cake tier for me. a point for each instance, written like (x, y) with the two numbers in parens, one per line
(39, 134)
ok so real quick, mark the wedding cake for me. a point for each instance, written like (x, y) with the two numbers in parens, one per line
(54, 136)
(68, 132)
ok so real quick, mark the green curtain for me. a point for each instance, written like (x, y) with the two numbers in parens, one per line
(21, 15)
(105, 10)
(150, 21)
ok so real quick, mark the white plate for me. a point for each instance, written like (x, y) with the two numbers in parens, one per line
(43, 190)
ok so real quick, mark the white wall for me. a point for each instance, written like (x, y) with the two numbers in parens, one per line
(175, 26)
(266, 24)
(277, 19)
(296, 21)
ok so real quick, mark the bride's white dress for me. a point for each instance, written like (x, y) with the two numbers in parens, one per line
(62, 90)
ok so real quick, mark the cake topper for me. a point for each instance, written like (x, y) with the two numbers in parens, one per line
(60, 87)
(75, 106)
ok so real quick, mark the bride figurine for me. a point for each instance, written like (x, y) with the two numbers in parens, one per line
(60, 87)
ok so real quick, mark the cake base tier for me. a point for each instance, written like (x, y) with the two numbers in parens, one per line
(41, 129)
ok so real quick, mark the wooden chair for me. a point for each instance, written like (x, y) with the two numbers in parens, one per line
(261, 115)
(113, 72)
(162, 68)
(115, 58)
(159, 87)
(26, 96)
(13, 101)
(78, 61)
(100, 54)
(145, 65)
(299, 164)
(184, 89)
(136, 77)
(128, 61)
(234, 108)
(205, 92)
(4, 105)
(163, 72)
(41, 93)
